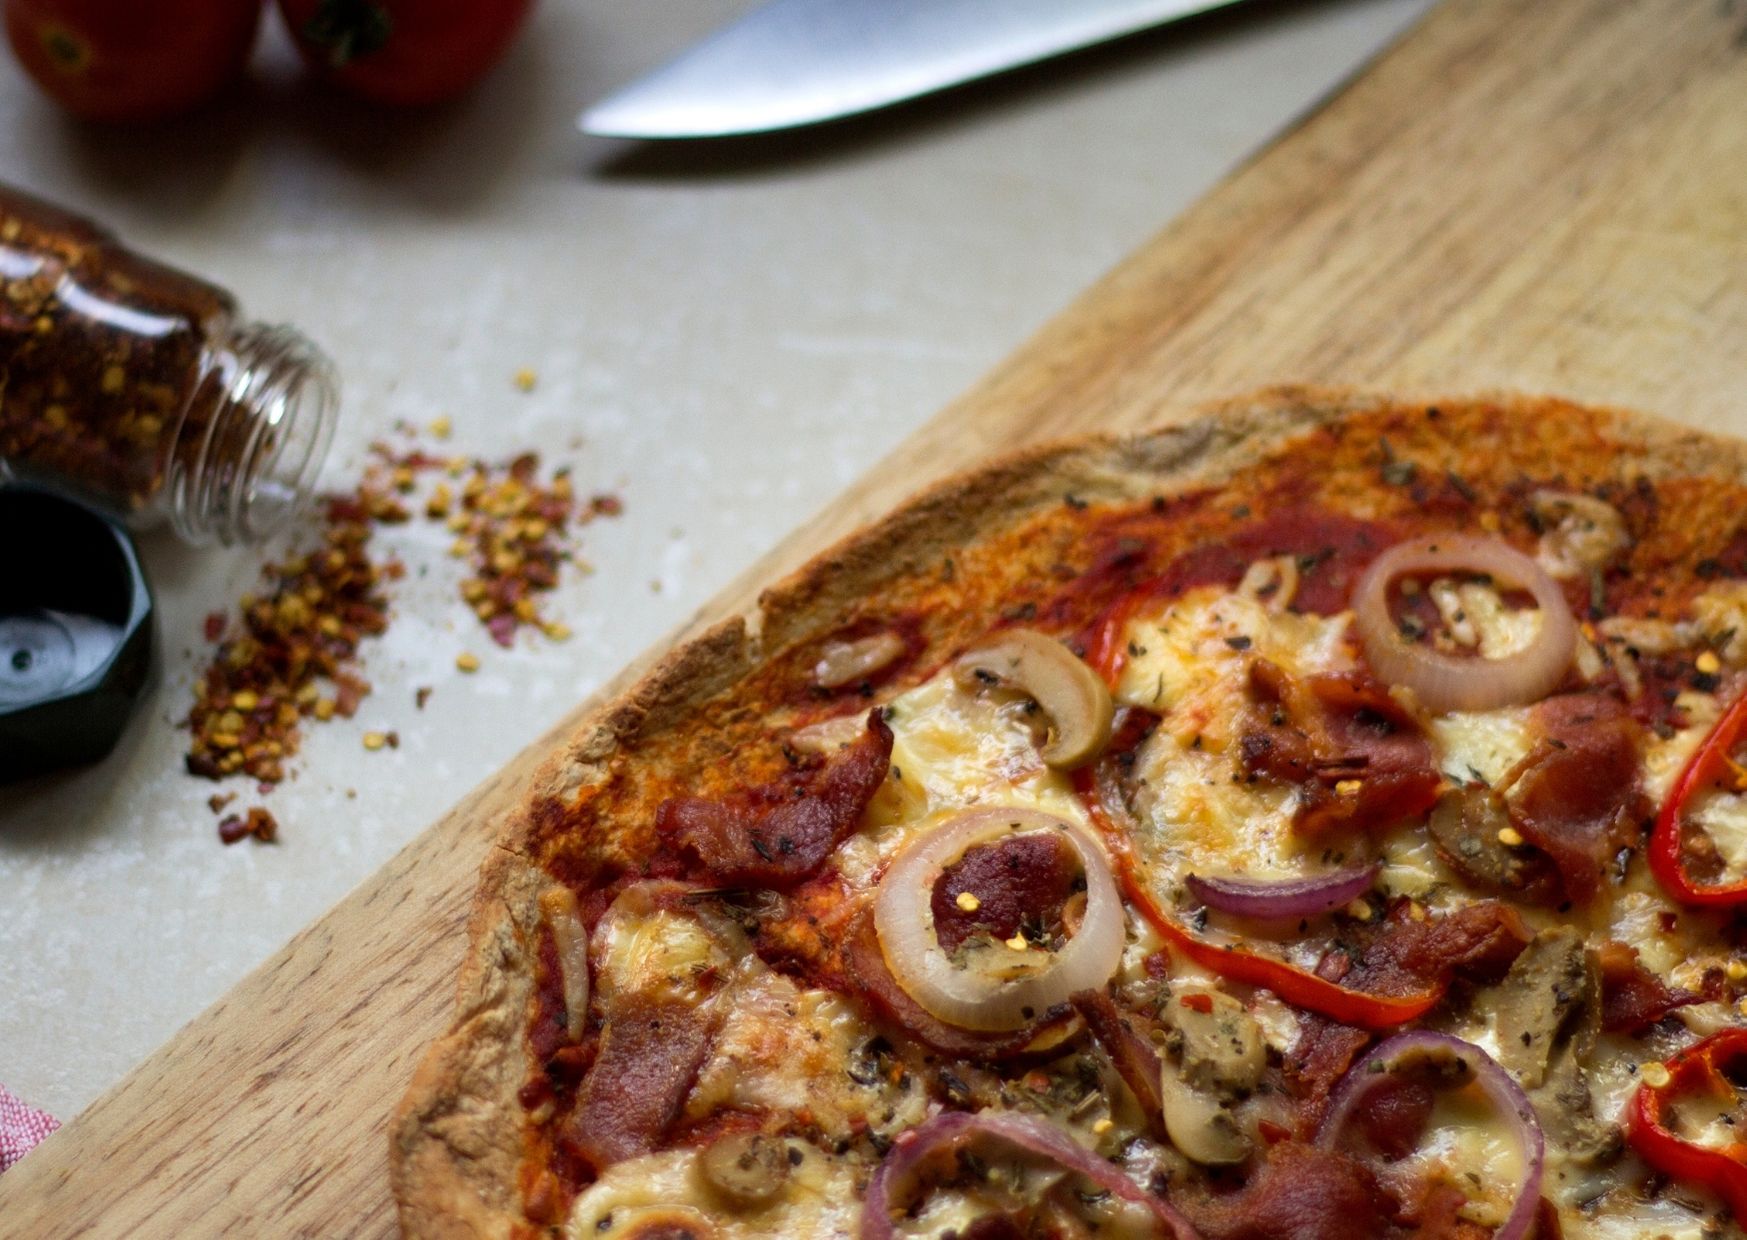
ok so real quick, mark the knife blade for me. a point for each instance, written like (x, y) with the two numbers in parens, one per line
(797, 62)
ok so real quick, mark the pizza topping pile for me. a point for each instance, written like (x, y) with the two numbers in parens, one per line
(1273, 872)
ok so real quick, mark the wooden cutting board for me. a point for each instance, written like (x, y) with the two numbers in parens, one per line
(1547, 195)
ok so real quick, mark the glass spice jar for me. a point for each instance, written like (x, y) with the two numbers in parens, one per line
(141, 389)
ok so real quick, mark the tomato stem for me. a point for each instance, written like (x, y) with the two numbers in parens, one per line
(68, 52)
(349, 29)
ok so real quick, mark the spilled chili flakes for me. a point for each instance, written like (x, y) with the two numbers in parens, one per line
(258, 823)
(516, 532)
(512, 528)
(295, 654)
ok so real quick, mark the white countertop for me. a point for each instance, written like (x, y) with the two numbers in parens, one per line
(724, 335)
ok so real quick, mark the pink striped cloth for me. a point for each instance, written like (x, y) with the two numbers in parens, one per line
(21, 1127)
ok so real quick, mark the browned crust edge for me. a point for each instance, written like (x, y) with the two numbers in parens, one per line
(456, 1139)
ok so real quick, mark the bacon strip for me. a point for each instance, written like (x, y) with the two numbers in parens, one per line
(865, 963)
(1300, 1192)
(780, 833)
(1325, 1049)
(1479, 941)
(1012, 880)
(650, 1054)
(1403, 955)
(1130, 1053)
(1632, 997)
(1576, 796)
(1393, 1116)
(1359, 760)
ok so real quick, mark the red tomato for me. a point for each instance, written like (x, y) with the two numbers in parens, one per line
(405, 52)
(132, 60)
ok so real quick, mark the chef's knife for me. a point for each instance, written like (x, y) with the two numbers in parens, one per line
(795, 62)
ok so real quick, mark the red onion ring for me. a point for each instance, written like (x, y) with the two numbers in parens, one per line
(1503, 1092)
(1003, 989)
(1285, 900)
(1445, 682)
(1034, 1136)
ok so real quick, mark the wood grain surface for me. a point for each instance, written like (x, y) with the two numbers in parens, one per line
(1543, 195)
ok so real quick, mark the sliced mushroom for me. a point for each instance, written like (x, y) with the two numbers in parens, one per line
(1200, 1125)
(746, 1168)
(1218, 1044)
(1071, 695)
(558, 905)
(848, 662)
(1548, 1015)
(1567, 1110)
(1214, 1057)
(1465, 826)
(1580, 534)
(1543, 1003)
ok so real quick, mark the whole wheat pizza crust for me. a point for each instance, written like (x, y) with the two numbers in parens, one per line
(456, 1141)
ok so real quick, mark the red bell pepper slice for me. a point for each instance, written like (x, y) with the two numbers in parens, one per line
(1696, 1070)
(1708, 761)
(1297, 986)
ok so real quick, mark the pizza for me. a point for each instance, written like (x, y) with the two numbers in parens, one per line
(1319, 818)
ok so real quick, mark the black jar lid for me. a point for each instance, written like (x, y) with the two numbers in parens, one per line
(76, 640)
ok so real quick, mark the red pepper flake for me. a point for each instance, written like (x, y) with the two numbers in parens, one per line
(516, 533)
(1202, 1003)
(513, 530)
(257, 823)
(295, 655)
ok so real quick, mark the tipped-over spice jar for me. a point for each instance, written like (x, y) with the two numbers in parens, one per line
(141, 389)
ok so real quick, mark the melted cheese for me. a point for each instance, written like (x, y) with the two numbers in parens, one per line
(659, 953)
(952, 1212)
(1482, 744)
(819, 1198)
(1477, 618)
(1411, 868)
(782, 1049)
(1664, 759)
(952, 749)
(1720, 613)
(1191, 662)
(1200, 815)
(1471, 1146)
